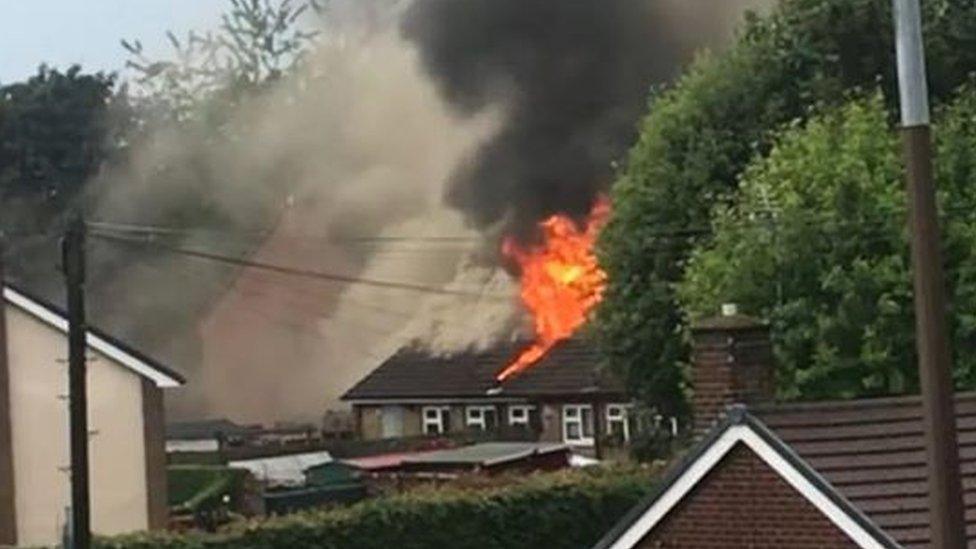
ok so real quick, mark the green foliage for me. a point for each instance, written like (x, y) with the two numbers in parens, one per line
(192, 487)
(699, 135)
(55, 133)
(566, 509)
(816, 244)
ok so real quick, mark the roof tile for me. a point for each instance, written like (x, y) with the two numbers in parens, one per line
(571, 367)
(872, 451)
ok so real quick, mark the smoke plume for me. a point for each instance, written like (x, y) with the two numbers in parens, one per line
(466, 118)
(574, 77)
(353, 149)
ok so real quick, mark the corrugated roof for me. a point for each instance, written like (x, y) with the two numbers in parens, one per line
(569, 368)
(873, 452)
(378, 462)
(485, 454)
(283, 470)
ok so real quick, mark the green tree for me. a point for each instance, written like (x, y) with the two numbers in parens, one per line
(816, 244)
(699, 135)
(56, 131)
(201, 96)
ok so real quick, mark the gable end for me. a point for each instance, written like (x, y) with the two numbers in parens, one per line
(743, 431)
(99, 341)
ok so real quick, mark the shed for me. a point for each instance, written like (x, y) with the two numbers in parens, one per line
(288, 470)
(330, 473)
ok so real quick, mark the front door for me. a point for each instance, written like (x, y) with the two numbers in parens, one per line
(392, 421)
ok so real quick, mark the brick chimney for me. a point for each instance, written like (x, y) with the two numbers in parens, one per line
(732, 363)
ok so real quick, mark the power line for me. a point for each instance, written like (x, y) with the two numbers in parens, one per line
(742, 218)
(283, 323)
(308, 273)
(340, 299)
(162, 230)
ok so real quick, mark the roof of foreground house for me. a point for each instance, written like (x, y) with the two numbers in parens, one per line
(570, 368)
(98, 340)
(863, 461)
(873, 452)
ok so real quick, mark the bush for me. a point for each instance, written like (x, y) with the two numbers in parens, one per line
(567, 509)
(193, 487)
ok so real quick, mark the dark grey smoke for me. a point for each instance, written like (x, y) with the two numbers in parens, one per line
(575, 75)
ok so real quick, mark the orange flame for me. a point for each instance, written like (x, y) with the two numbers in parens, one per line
(561, 281)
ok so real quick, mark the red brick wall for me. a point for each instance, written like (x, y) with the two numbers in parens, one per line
(743, 503)
(731, 366)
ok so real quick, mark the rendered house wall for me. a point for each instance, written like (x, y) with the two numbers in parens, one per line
(38, 410)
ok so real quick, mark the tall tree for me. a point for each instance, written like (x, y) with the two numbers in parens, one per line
(699, 135)
(56, 131)
(816, 244)
(257, 43)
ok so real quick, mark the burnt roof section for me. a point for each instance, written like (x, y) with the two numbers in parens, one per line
(873, 452)
(570, 368)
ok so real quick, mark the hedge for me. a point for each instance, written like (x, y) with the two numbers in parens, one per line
(566, 509)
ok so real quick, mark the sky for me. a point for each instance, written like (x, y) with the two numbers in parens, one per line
(63, 32)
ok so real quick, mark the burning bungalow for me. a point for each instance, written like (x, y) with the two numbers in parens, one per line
(549, 389)
(416, 393)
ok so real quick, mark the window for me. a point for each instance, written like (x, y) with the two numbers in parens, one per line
(617, 421)
(437, 419)
(519, 414)
(578, 424)
(481, 417)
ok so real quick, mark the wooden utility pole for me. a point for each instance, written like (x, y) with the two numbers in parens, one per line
(73, 263)
(932, 340)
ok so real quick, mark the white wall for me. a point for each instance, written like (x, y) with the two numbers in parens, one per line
(39, 415)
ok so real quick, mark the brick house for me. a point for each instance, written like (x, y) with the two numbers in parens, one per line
(416, 393)
(766, 474)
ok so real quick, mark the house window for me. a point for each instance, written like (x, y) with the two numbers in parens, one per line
(519, 414)
(437, 419)
(578, 424)
(481, 417)
(617, 421)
